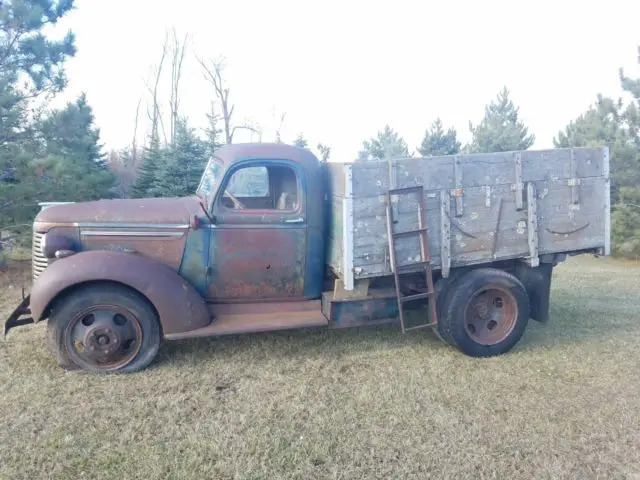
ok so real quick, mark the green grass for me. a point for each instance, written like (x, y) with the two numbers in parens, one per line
(362, 403)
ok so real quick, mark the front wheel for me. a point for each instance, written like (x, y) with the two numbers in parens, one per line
(104, 328)
(484, 313)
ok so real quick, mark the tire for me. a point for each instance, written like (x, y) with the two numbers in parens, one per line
(117, 325)
(484, 313)
(441, 288)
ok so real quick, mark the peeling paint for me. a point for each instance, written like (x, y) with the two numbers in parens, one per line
(474, 215)
(521, 227)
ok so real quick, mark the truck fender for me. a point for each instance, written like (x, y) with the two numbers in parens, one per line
(180, 307)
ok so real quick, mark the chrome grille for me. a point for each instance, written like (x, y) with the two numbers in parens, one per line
(38, 260)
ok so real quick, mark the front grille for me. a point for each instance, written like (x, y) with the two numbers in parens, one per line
(38, 260)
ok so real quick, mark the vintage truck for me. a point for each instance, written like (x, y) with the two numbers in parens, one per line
(275, 239)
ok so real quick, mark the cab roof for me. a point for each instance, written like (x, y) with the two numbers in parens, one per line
(235, 152)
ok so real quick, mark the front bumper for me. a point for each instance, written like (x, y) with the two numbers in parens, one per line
(20, 316)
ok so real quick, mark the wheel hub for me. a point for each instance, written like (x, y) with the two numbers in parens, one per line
(105, 337)
(491, 316)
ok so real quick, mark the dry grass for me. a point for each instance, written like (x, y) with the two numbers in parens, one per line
(364, 403)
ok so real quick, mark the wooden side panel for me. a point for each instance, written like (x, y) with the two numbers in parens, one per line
(479, 204)
(335, 178)
(335, 258)
(563, 226)
(477, 170)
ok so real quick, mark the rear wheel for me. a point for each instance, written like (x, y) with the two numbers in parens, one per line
(104, 328)
(484, 313)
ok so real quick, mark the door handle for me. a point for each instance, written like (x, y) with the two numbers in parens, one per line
(294, 220)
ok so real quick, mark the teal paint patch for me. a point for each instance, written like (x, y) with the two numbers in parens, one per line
(372, 310)
(195, 259)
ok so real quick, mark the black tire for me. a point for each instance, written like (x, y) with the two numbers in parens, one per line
(61, 355)
(119, 325)
(441, 288)
(486, 333)
(444, 287)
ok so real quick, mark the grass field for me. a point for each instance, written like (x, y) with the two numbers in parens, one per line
(363, 403)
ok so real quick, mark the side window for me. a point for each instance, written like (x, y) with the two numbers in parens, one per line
(249, 182)
(262, 188)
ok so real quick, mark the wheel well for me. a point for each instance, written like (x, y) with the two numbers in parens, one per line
(70, 290)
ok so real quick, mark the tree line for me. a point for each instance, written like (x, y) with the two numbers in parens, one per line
(51, 154)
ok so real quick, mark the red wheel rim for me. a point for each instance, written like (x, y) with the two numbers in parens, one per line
(491, 315)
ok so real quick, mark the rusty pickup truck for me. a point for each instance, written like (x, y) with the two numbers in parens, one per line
(273, 238)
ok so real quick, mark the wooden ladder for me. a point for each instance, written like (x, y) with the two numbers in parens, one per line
(425, 256)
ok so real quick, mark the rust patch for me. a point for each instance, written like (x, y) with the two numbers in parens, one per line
(257, 263)
(167, 250)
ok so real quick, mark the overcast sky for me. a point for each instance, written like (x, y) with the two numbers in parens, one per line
(340, 70)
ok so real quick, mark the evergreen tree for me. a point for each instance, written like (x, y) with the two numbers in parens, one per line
(31, 72)
(437, 142)
(608, 122)
(500, 130)
(386, 144)
(185, 164)
(300, 141)
(73, 156)
(153, 162)
(213, 132)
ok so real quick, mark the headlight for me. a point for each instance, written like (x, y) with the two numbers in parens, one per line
(52, 243)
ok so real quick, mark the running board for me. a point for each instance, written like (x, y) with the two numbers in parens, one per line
(231, 319)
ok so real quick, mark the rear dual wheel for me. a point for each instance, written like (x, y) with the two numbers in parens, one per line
(104, 328)
(483, 313)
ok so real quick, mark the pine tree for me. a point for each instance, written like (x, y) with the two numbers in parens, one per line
(500, 130)
(300, 141)
(153, 161)
(73, 156)
(386, 144)
(611, 123)
(31, 70)
(213, 132)
(437, 142)
(184, 166)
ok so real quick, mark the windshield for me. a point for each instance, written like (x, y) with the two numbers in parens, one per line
(209, 178)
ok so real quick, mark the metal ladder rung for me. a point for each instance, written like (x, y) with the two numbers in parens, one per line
(415, 296)
(403, 190)
(417, 327)
(409, 233)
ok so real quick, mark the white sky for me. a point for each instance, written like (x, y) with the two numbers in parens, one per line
(340, 70)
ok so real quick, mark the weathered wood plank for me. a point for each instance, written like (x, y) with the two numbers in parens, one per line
(372, 178)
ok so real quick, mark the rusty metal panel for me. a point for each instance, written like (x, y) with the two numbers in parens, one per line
(153, 212)
(257, 263)
(378, 307)
(195, 259)
(178, 304)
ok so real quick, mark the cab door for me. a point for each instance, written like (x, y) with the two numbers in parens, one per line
(259, 235)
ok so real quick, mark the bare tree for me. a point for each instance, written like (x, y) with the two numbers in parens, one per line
(283, 115)
(155, 115)
(212, 71)
(177, 58)
(134, 141)
(325, 151)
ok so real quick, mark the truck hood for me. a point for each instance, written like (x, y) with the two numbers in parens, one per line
(143, 210)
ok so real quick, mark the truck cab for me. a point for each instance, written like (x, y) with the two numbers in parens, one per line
(260, 233)
(245, 253)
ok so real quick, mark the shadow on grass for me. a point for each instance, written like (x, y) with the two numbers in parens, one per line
(574, 320)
